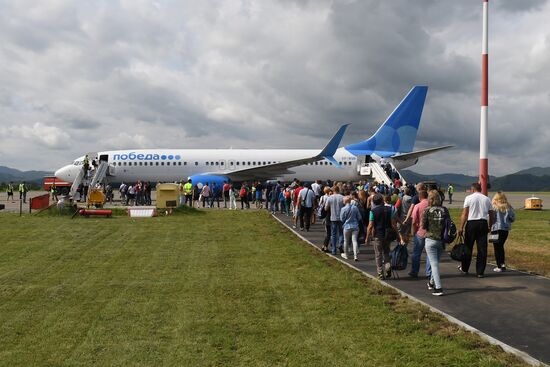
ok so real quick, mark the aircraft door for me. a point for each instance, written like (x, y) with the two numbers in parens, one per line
(231, 164)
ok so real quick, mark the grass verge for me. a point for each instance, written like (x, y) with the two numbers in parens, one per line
(216, 289)
(528, 244)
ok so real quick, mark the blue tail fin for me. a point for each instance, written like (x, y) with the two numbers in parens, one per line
(398, 133)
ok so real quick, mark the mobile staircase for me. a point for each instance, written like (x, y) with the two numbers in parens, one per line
(375, 171)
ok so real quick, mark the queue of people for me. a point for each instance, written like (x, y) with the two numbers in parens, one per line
(376, 214)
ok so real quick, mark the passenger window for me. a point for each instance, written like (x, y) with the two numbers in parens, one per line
(185, 163)
(217, 163)
(207, 163)
(162, 163)
(196, 163)
(167, 163)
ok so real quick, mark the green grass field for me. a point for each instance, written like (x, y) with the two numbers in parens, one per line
(528, 244)
(204, 289)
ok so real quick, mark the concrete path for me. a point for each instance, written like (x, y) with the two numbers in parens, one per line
(512, 307)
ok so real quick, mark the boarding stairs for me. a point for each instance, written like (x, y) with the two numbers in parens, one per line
(99, 173)
(375, 171)
(77, 181)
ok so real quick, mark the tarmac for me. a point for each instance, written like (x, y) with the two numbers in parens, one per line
(511, 309)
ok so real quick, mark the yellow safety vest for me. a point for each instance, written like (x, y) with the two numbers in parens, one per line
(188, 188)
(21, 188)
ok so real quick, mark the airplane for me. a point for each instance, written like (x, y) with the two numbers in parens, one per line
(393, 141)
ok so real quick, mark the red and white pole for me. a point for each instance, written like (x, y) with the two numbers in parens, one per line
(484, 124)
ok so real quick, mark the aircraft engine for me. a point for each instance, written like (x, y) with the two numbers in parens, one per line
(200, 180)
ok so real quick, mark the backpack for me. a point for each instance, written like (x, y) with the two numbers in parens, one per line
(449, 229)
(399, 257)
(242, 193)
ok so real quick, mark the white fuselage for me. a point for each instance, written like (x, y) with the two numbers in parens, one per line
(169, 165)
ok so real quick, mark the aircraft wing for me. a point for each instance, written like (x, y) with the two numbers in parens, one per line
(277, 169)
(419, 153)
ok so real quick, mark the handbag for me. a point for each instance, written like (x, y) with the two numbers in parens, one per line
(460, 251)
(493, 237)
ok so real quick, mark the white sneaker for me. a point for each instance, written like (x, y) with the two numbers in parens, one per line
(344, 255)
(497, 270)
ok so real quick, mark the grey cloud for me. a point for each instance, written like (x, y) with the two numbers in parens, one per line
(270, 74)
(520, 6)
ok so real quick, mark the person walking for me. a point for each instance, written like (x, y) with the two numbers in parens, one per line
(9, 190)
(306, 200)
(433, 220)
(232, 198)
(334, 204)
(215, 194)
(450, 192)
(477, 217)
(225, 189)
(381, 222)
(325, 216)
(419, 239)
(243, 194)
(188, 192)
(53, 191)
(352, 220)
(205, 194)
(504, 217)
(23, 189)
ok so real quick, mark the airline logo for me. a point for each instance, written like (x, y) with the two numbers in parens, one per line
(133, 156)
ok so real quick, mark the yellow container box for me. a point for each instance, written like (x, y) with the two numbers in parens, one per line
(96, 197)
(533, 203)
(167, 195)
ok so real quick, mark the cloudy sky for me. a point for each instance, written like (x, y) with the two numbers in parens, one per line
(83, 76)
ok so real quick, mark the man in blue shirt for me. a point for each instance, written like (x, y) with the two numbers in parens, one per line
(351, 218)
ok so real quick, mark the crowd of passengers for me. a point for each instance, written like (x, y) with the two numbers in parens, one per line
(377, 214)
(366, 213)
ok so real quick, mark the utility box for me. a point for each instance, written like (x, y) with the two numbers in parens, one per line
(167, 195)
(533, 203)
(96, 197)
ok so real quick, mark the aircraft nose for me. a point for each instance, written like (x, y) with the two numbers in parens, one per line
(64, 173)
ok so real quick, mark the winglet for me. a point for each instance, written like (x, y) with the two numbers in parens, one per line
(333, 144)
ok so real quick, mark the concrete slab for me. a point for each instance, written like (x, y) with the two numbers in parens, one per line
(512, 307)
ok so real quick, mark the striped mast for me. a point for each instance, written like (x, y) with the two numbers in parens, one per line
(484, 123)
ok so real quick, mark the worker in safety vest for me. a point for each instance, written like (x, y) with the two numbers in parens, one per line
(53, 190)
(188, 192)
(450, 192)
(23, 191)
(9, 190)
(86, 165)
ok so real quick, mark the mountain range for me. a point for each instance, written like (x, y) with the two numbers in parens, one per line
(532, 179)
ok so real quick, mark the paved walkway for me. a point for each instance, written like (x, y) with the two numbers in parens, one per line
(512, 307)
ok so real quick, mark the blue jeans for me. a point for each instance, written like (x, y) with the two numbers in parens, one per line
(417, 252)
(434, 249)
(336, 235)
